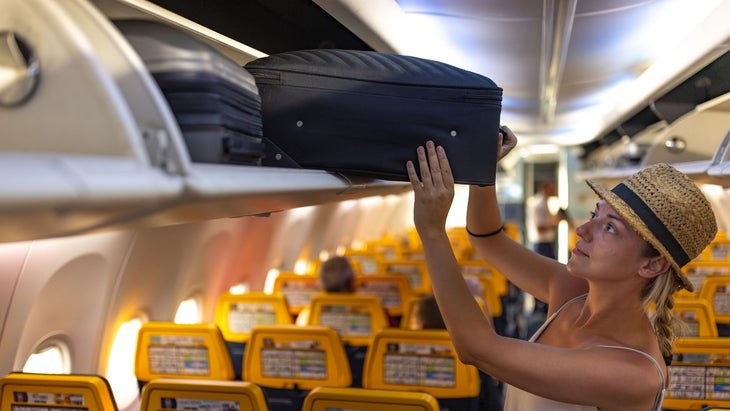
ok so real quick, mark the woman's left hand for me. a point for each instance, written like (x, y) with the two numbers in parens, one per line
(434, 193)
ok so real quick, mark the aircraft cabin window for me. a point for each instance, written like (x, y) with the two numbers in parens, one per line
(52, 358)
(302, 267)
(120, 368)
(239, 289)
(270, 280)
(189, 311)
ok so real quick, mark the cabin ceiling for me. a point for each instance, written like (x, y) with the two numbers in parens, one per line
(572, 71)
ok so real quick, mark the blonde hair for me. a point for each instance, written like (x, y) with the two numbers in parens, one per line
(659, 292)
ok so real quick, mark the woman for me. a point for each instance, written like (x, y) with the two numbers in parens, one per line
(598, 349)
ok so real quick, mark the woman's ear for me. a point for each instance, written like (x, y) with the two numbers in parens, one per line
(654, 266)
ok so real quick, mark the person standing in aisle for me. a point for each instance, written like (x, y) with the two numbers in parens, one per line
(599, 348)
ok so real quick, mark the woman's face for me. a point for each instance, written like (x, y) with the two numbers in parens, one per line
(607, 246)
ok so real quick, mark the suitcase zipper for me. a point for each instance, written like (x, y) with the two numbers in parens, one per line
(481, 96)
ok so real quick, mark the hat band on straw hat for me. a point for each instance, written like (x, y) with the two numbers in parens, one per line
(660, 231)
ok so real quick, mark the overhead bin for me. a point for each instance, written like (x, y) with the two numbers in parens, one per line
(93, 145)
(696, 144)
(695, 136)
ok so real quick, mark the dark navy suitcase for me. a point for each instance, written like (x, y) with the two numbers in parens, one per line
(215, 101)
(366, 112)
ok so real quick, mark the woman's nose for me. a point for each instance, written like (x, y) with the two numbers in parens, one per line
(583, 230)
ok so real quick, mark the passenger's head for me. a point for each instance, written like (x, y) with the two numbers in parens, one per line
(426, 314)
(675, 219)
(336, 275)
(667, 210)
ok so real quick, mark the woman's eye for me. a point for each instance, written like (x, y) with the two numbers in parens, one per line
(593, 214)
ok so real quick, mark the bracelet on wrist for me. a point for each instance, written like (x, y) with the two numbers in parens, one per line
(493, 233)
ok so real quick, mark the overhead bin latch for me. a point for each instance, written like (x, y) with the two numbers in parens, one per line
(156, 141)
(19, 70)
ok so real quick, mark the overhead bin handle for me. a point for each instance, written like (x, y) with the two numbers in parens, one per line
(19, 70)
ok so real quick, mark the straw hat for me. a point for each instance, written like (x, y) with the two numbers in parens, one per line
(668, 210)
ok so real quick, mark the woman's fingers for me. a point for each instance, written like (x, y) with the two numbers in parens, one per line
(433, 166)
(433, 162)
(446, 176)
(424, 167)
(507, 142)
(412, 176)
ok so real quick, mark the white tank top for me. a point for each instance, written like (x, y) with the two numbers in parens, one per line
(520, 400)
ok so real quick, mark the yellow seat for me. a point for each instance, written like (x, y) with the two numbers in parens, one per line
(415, 270)
(489, 295)
(237, 314)
(334, 399)
(364, 261)
(185, 394)
(421, 360)
(297, 290)
(57, 392)
(388, 246)
(355, 317)
(287, 361)
(486, 271)
(716, 290)
(698, 375)
(407, 320)
(393, 290)
(166, 349)
(698, 270)
(718, 249)
(291, 356)
(697, 314)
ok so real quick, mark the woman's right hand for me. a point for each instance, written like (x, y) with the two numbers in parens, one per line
(506, 142)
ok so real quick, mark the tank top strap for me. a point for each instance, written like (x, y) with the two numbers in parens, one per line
(555, 314)
(660, 394)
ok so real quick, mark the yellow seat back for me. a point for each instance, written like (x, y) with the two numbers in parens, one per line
(185, 394)
(697, 270)
(698, 375)
(297, 290)
(237, 314)
(355, 317)
(406, 359)
(716, 291)
(414, 269)
(697, 314)
(335, 399)
(166, 349)
(486, 271)
(296, 357)
(57, 392)
(407, 321)
(393, 290)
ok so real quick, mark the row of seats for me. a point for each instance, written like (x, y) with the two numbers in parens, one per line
(71, 392)
(715, 290)
(394, 289)
(699, 375)
(288, 361)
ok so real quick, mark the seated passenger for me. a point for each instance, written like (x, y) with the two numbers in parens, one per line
(336, 275)
(426, 315)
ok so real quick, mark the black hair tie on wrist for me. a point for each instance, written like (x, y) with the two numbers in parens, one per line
(493, 233)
